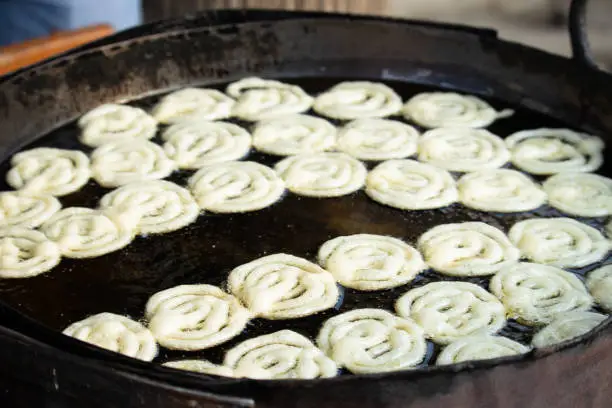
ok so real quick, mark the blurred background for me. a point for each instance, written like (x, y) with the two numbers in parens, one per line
(540, 23)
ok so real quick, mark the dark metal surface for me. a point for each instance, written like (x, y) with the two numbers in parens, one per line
(36, 375)
(34, 102)
(581, 49)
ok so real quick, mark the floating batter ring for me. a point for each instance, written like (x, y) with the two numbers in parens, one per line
(261, 99)
(561, 242)
(294, 134)
(86, 233)
(113, 123)
(236, 187)
(115, 333)
(25, 253)
(282, 286)
(372, 341)
(566, 327)
(158, 206)
(467, 249)
(358, 100)
(195, 317)
(118, 163)
(193, 104)
(281, 355)
(410, 185)
(500, 190)
(448, 311)
(18, 209)
(581, 194)
(47, 170)
(551, 151)
(322, 174)
(195, 144)
(370, 262)
(483, 347)
(463, 149)
(378, 139)
(449, 109)
(536, 294)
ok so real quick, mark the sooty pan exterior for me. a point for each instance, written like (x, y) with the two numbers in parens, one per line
(42, 368)
(38, 375)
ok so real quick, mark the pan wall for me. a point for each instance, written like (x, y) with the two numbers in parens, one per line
(539, 23)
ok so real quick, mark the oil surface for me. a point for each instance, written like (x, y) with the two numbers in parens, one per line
(205, 251)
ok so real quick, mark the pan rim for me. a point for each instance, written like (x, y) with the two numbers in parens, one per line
(602, 329)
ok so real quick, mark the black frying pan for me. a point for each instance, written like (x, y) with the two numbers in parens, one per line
(313, 52)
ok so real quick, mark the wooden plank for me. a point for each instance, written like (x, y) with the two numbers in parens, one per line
(29, 52)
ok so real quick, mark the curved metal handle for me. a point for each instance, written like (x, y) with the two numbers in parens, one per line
(581, 49)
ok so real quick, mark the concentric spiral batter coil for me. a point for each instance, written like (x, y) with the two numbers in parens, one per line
(322, 174)
(25, 253)
(378, 139)
(581, 194)
(370, 262)
(20, 209)
(294, 134)
(448, 311)
(463, 149)
(449, 109)
(282, 286)
(561, 242)
(599, 283)
(195, 317)
(482, 347)
(358, 100)
(158, 206)
(85, 233)
(372, 340)
(467, 249)
(197, 143)
(410, 185)
(236, 187)
(283, 354)
(193, 104)
(567, 326)
(552, 151)
(119, 163)
(115, 333)
(261, 99)
(536, 294)
(500, 190)
(113, 123)
(46, 170)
